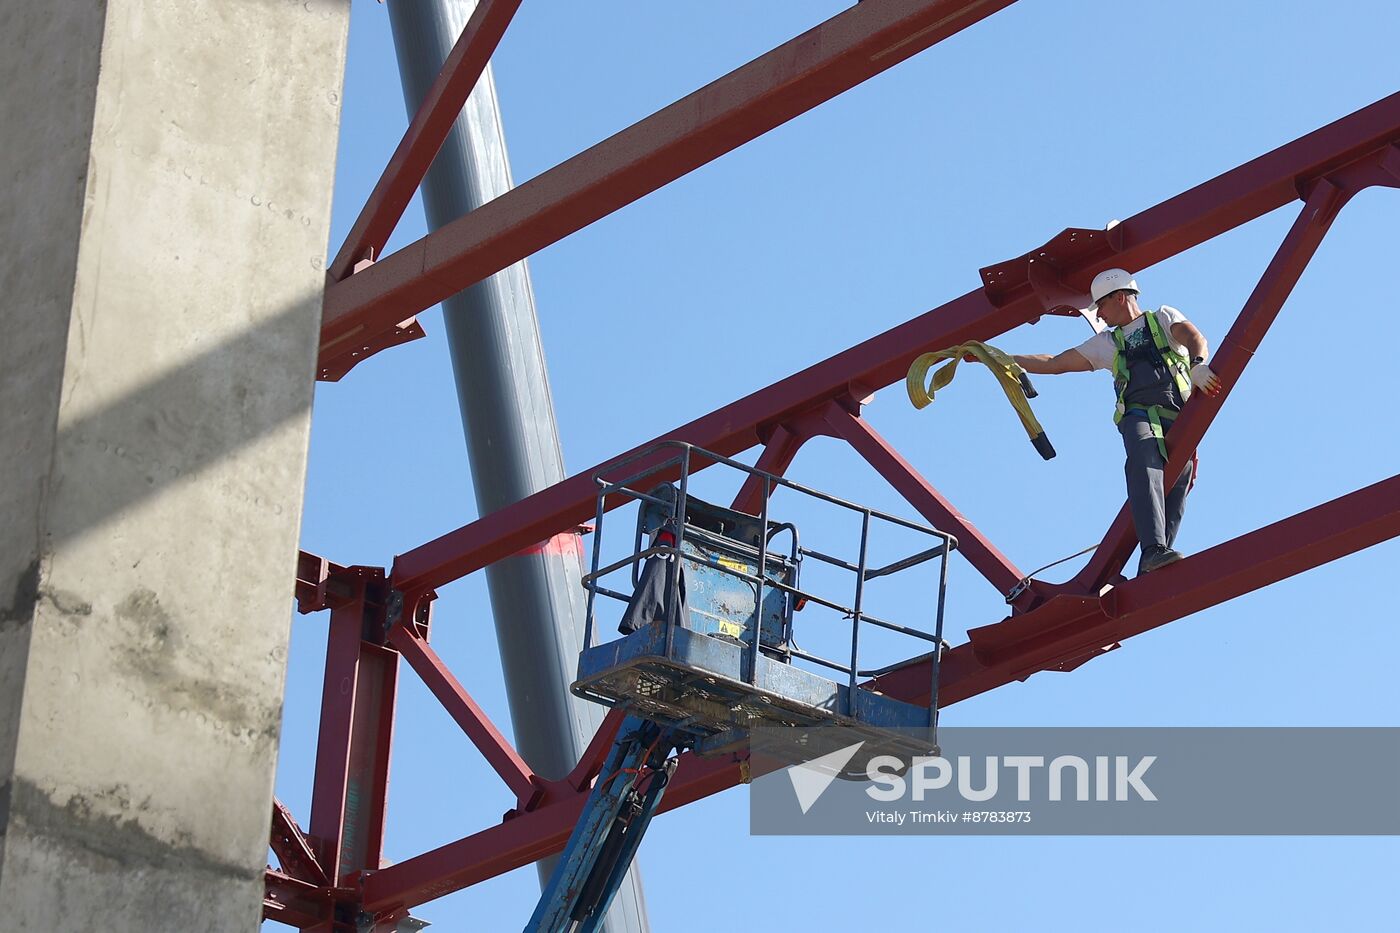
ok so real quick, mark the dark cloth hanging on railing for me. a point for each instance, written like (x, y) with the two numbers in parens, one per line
(648, 603)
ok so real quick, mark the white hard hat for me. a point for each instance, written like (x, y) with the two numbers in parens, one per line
(1109, 281)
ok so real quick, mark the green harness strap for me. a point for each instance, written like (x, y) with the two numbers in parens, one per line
(1176, 364)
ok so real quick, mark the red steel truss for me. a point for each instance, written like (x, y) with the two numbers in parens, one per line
(374, 308)
(331, 872)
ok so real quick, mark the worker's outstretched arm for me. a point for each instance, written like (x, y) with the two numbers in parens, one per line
(1043, 364)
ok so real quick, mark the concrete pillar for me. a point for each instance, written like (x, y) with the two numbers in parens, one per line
(165, 187)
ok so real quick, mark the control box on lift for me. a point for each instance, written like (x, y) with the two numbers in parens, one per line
(719, 550)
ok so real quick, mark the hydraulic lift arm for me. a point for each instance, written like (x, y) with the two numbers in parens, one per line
(604, 842)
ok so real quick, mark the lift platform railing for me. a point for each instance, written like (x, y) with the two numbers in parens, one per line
(632, 486)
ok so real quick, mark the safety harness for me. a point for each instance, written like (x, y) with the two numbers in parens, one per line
(1175, 363)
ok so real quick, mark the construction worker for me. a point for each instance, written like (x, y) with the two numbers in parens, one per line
(1156, 358)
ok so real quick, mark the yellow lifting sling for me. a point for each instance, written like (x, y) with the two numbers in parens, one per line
(1012, 378)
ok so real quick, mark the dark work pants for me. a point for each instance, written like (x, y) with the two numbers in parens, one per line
(1155, 516)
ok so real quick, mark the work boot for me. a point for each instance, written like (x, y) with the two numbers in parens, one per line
(1157, 557)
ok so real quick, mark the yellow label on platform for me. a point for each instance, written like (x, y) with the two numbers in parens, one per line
(733, 564)
(732, 629)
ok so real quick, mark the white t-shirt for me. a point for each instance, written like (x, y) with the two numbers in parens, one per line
(1100, 348)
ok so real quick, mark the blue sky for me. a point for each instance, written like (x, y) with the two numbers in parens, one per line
(861, 214)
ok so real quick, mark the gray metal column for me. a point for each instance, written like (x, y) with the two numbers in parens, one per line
(508, 416)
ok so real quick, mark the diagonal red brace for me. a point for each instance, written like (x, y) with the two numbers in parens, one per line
(425, 136)
(594, 756)
(927, 501)
(459, 704)
(294, 850)
(783, 445)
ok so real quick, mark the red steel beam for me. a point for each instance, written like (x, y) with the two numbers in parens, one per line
(825, 61)
(1064, 629)
(333, 737)
(425, 136)
(352, 753)
(1051, 634)
(494, 747)
(1225, 202)
(521, 840)
(295, 902)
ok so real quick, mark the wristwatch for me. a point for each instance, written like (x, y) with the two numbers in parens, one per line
(1197, 360)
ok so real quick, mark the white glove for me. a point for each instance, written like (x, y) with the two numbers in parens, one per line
(1203, 377)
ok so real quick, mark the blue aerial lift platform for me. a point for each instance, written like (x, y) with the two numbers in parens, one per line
(707, 656)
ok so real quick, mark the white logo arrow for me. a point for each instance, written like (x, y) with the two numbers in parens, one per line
(811, 778)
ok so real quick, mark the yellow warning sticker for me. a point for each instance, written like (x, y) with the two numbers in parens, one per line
(733, 564)
(732, 629)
